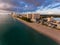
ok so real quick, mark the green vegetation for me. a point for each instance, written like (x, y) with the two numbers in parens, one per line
(26, 19)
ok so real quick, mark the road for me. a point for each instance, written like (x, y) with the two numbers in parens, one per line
(13, 32)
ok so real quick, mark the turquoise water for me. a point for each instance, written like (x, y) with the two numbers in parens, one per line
(13, 32)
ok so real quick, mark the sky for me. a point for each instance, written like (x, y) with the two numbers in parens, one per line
(40, 6)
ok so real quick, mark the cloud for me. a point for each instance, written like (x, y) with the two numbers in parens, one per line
(5, 5)
(29, 5)
(49, 11)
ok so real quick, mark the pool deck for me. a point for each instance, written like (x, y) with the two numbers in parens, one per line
(50, 32)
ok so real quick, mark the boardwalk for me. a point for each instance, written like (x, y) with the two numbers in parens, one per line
(50, 32)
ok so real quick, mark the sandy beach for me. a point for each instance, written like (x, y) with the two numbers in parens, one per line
(50, 32)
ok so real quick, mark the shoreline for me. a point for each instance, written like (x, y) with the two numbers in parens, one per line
(49, 32)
